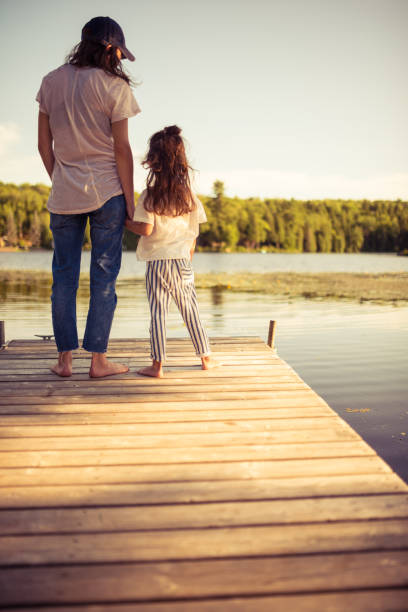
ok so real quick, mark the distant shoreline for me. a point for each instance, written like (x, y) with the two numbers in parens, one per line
(241, 250)
(387, 287)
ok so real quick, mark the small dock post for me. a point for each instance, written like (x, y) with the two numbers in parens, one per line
(271, 334)
(2, 335)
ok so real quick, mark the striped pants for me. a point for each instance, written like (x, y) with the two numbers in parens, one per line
(166, 279)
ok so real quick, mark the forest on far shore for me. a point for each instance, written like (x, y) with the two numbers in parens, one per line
(236, 224)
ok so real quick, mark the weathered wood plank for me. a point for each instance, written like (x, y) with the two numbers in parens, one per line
(20, 365)
(124, 413)
(136, 353)
(263, 375)
(134, 493)
(186, 472)
(202, 515)
(280, 400)
(391, 600)
(173, 354)
(122, 441)
(161, 545)
(260, 375)
(165, 423)
(183, 345)
(32, 359)
(36, 346)
(115, 341)
(136, 456)
(190, 370)
(48, 390)
(174, 346)
(179, 396)
(143, 582)
(150, 423)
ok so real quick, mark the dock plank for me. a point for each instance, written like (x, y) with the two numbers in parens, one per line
(187, 543)
(116, 440)
(181, 455)
(116, 414)
(390, 600)
(202, 515)
(144, 582)
(237, 489)
(192, 472)
(136, 494)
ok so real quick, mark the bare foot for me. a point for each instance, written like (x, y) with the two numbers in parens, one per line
(101, 367)
(155, 370)
(208, 363)
(64, 365)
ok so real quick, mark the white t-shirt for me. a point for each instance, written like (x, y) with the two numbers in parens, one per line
(172, 237)
(82, 103)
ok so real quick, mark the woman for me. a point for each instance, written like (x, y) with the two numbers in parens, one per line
(83, 142)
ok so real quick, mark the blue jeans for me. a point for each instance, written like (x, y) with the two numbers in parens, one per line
(107, 225)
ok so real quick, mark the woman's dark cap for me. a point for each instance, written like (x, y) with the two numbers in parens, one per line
(106, 31)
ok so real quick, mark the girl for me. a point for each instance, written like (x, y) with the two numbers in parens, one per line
(83, 142)
(167, 217)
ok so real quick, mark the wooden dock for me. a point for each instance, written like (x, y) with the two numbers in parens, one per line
(237, 489)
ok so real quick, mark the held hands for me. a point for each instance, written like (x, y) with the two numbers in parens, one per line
(137, 227)
(130, 225)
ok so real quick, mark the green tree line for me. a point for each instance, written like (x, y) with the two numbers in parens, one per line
(339, 226)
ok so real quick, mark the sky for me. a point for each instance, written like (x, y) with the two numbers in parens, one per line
(276, 98)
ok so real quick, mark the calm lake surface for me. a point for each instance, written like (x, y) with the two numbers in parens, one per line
(354, 355)
(234, 262)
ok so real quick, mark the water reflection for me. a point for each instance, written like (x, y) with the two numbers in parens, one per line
(35, 289)
(217, 295)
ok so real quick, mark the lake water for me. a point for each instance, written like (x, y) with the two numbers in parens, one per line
(234, 262)
(354, 355)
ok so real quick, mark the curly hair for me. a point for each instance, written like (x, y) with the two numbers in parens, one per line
(168, 182)
(95, 55)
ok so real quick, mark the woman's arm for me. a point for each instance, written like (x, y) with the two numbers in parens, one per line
(124, 163)
(138, 227)
(45, 143)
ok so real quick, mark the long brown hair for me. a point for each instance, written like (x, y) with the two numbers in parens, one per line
(168, 181)
(96, 55)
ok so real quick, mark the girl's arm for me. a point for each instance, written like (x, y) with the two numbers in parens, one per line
(45, 140)
(124, 163)
(138, 227)
(192, 249)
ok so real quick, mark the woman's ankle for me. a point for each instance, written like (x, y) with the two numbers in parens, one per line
(99, 358)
